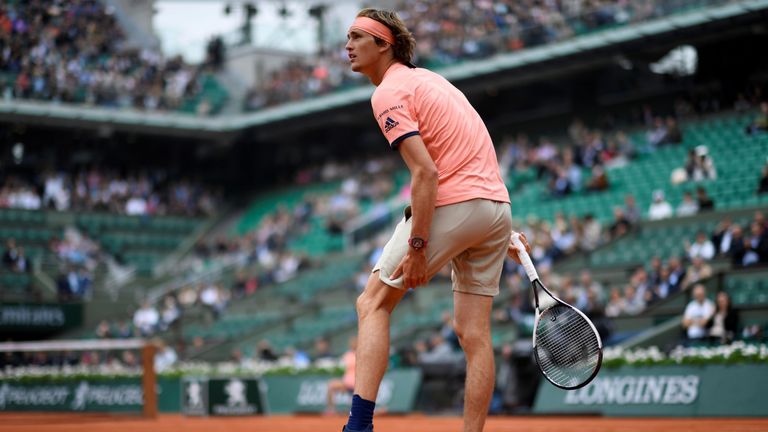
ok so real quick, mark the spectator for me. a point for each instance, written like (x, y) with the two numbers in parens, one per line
(598, 180)
(591, 233)
(620, 225)
(347, 382)
(702, 247)
(165, 356)
(633, 303)
(705, 202)
(438, 351)
(724, 323)
(21, 265)
(685, 173)
(322, 352)
(146, 319)
(660, 208)
(663, 288)
(722, 236)
(703, 166)
(616, 304)
(170, 313)
(265, 352)
(590, 286)
(658, 134)
(688, 206)
(295, 358)
(698, 312)
(697, 272)
(738, 246)
(214, 300)
(654, 274)
(11, 254)
(673, 135)
(676, 273)
(103, 330)
(760, 123)
(756, 245)
(631, 211)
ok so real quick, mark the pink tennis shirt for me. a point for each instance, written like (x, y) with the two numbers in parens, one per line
(417, 101)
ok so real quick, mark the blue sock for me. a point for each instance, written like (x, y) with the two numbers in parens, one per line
(361, 414)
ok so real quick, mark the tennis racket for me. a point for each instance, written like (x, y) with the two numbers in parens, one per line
(566, 344)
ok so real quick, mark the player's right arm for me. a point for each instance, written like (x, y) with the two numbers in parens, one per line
(424, 178)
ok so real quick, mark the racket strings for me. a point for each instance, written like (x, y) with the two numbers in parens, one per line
(566, 346)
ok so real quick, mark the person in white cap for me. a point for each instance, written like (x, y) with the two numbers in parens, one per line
(704, 167)
(660, 208)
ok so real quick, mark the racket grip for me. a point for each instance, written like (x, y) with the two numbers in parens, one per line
(530, 270)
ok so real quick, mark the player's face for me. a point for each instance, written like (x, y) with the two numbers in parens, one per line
(361, 49)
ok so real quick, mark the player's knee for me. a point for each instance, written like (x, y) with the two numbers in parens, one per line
(364, 305)
(471, 336)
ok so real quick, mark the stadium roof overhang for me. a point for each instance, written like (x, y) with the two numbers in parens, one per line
(528, 65)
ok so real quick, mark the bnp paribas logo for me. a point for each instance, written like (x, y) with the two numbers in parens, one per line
(390, 124)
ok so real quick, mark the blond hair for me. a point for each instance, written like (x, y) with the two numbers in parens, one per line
(404, 45)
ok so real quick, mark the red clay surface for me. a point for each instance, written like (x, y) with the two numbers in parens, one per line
(29, 422)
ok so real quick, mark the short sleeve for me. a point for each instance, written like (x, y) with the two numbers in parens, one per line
(393, 111)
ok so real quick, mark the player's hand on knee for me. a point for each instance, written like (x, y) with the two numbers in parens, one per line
(512, 249)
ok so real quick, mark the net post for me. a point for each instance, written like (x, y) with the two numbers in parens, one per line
(149, 380)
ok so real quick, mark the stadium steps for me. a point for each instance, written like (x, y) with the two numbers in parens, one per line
(301, 302)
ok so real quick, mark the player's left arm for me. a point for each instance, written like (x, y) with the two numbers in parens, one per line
(424, 177)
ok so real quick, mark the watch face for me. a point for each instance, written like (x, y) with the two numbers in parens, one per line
(417, 243)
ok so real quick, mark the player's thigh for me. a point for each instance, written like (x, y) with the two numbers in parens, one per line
(477, 269)
(441, 247)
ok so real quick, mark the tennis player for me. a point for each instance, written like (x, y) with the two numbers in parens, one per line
(459, 212)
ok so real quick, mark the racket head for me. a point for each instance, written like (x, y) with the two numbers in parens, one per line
(567, 347)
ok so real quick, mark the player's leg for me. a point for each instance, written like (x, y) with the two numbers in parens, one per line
(476, 275)
(374, 307)
(472, 323)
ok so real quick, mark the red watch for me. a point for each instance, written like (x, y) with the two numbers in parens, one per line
(417, 243)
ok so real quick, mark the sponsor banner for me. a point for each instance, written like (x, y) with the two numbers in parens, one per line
(194, 396)
(307, 393)
(86, 396)
(115, 395)
(39, 317)
(711, 390)
(234, 397)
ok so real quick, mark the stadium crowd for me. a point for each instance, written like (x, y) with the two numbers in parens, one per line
(139, 193)
(448, 32)
(76, 52)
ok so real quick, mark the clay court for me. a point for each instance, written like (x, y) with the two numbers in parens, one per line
(33, 422)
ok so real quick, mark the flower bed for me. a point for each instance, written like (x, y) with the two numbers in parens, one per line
(735, 353)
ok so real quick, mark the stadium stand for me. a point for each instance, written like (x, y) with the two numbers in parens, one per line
(486, 29)
(76, 52)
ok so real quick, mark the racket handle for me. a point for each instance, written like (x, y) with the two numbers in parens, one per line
(530, 270)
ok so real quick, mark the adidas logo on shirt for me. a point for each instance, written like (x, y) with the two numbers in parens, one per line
(390, 124)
